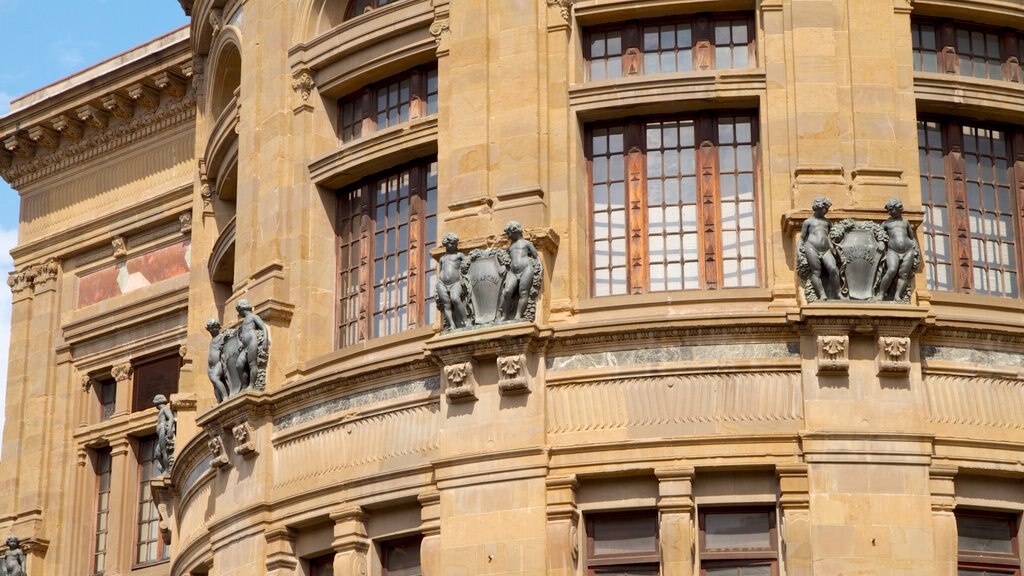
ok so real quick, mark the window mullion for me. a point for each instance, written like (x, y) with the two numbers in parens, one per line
(703, 47)
(365, 263)
(631, 50)
(637, 186)
(417, 181)
(959, 217)
(417, 94)
(1017, 154)
(1009, 48)
(948, 61)
(708, 205)
(367, 112)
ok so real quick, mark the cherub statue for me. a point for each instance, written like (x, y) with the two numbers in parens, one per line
(452, 292)
(518, 288)
(166, 427)
(215, 365)
(902, 255)
(251, 341)
(14, 559)
(814, 253)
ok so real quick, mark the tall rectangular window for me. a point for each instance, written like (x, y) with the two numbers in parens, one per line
(987, 543)
(674, 204)
(106, 393)
(971, 196)
(622, 543)
(979, 52)
(101, 526)
(664, 46)
(391, 102)
(149, 546)
(401, 557)
(738, 542)
(152, 376)
(926, 46)
(387, 225)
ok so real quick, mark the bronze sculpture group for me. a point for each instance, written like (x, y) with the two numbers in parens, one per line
(855, 259)
(238, 356)
(488, 287)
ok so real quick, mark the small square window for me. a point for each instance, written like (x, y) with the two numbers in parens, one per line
(624, 543)
(401, 557)
(986, 543)
(738, 541)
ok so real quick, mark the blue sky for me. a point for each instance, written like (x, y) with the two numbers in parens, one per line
(45, 41)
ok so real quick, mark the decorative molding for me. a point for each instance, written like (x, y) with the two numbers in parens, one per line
(893, 355)
(972, 401)
(44, 272)
(245, 444)
(185, 220)
(144, 95)
(170, 83)
(87, 382)
(512, 377)
(19, 280)
(440, 29)
(216, 446)
(120, 246)
(20, 145)
(93, 116)
(216, 22)
(6, 160)
(122, 372)
(833, 353)
(303, 83)
(460, 383)
(46, 137)
(121, 107)
(564, 8)
(69, 127)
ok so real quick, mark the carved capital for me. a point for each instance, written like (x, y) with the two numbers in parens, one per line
(119, 106)
(245, 444)
(833, 353)
(46, 137)
(145, 95)
(303, 83)
(87, 382)
(69, 127)
(19, 280)
(460, 382)
(93, 116)
(440, 29)
(120, 246)
(512, 378)
(893, 355)
(20, 145)
(564, 8)
(185, 221)
(122, 372)
(45, 272)
(170, 83)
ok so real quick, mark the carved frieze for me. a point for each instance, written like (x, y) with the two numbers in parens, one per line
(512, 377)
(144, 95)
(833, 353)
(245, 444)
(46, 137)
(170, 83)
(93, 116)
(121, 107)
(20, 145)
(460, 383)
(893, 355)
(69, 127)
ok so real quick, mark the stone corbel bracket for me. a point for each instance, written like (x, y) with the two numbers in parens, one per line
(833, 353)
(163, 495)
(245, 440)
(218, 456)
(460, 382)
(240, 415)
(512, 375)
(893, 355)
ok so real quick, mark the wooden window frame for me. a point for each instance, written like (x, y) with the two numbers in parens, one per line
(318, 564)
(597, 564)
(709, 202)
(724, 558)
(386, 546)
(1008, 563)
(101, 455)
(419, 305)
(1011, 48)
(958, 208)
(364, 103)
(702, 47)
(163, 551)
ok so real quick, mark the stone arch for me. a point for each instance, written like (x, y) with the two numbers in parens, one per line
(321, 16)
(224, 74)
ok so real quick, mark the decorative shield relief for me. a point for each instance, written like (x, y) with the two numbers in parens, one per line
(485, 273)
(860, 246)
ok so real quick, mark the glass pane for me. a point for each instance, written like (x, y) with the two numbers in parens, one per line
(403, 558)
(978, 534)
(737, 530)
(624, 535)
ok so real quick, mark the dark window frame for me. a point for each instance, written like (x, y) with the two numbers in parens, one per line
(703, 47)
(709, 226)
(103, 466)
(364, 103)
(321, 565)
(640, 561)
(106, 407)
(356, 232)
(1008, 563)
(949, 59)
(385, 548)
(727, 558)
(142, 392)
(146, 457)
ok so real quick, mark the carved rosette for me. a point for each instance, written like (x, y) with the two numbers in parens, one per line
(303, 84)
(245, 443)
(833, 353)
(219, 457)
(512, 375)
(893, 355)
(460, 383)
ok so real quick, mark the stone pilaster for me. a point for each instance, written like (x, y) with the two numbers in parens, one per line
(350, 542)
(941, 485)
(123, 474)
(122, 373)
(675, 507)
(281, 559)
(430, 527)
(563, 526)
(795, 519)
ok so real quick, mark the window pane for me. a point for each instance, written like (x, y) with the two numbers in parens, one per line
(624, 535)
(737, 530)
(981, 534)
(402, 558)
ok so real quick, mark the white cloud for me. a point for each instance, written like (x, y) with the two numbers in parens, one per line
(8, 240)
(5, 103)
(71, 55)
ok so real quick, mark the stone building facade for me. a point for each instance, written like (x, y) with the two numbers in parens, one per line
(679, 405)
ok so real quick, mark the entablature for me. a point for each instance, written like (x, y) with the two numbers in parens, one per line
(968, 97)
(663, 93)
(376, 152)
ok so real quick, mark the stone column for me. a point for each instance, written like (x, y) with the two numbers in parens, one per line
(120, 548)
(430, 527)
(795, 519)
(675, 507)
(21, 314)
(563, 526)
(281, 560)
(941, 485)
(350, 542)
